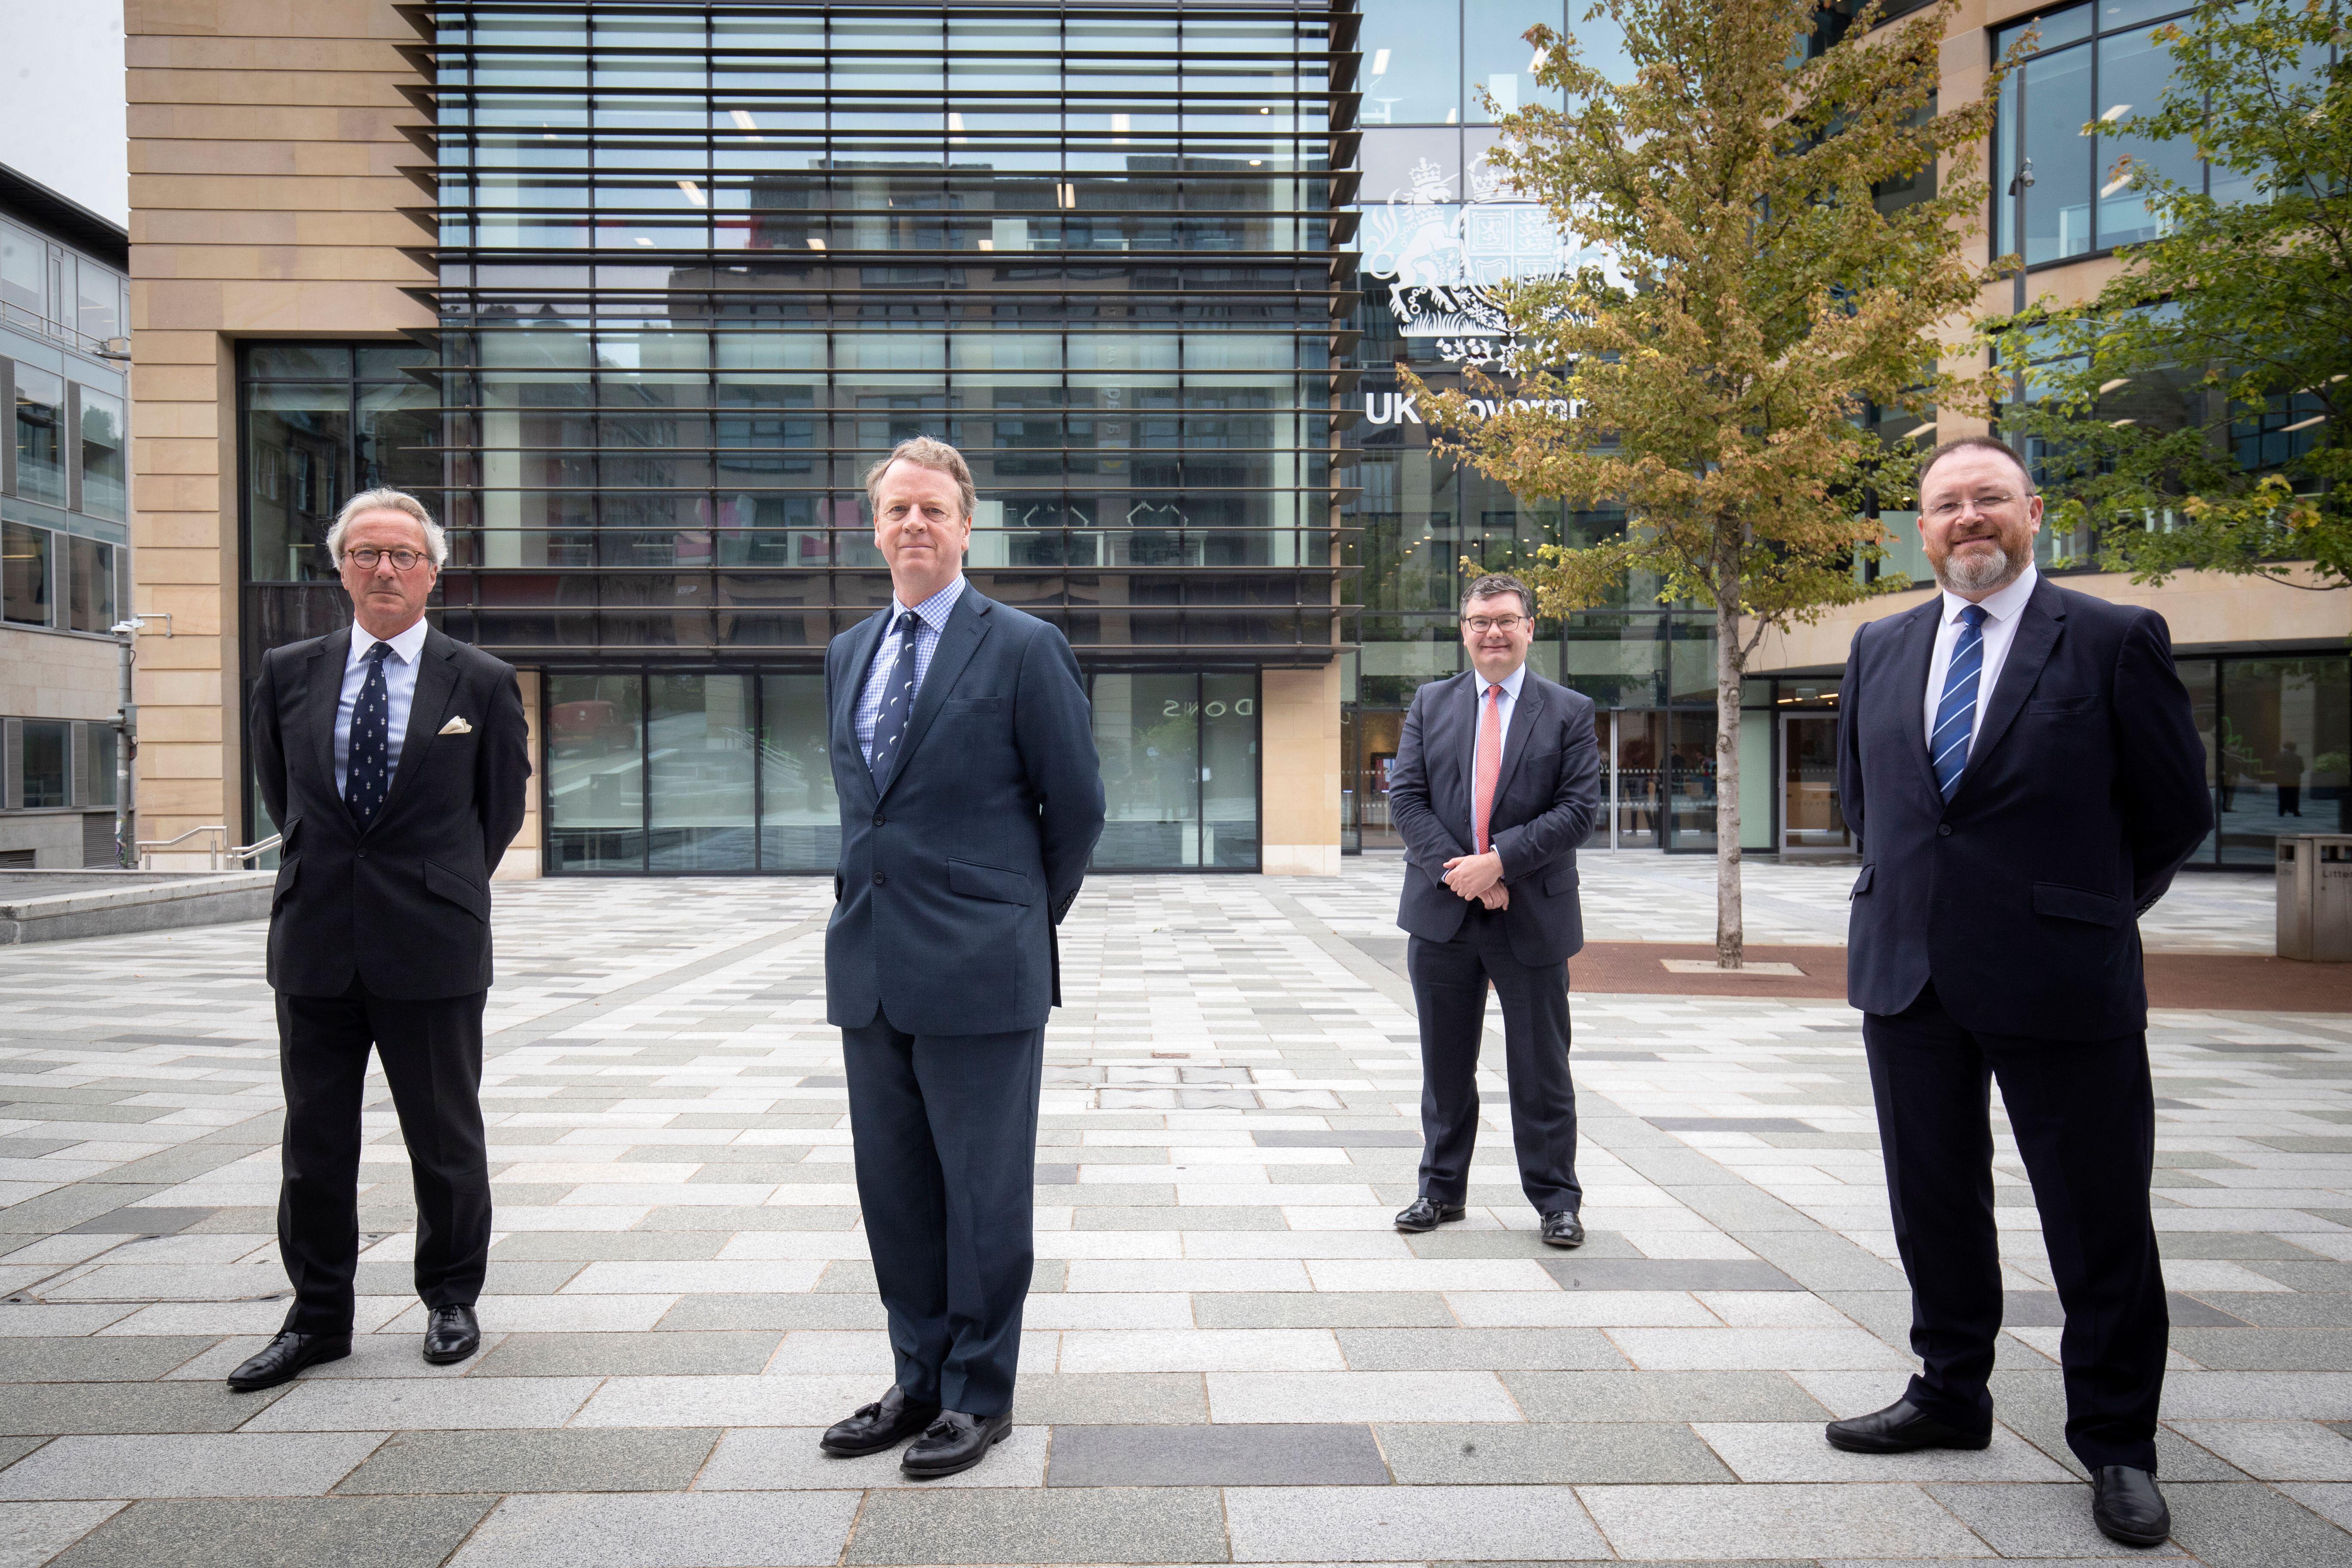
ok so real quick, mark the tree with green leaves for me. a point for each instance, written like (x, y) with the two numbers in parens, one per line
(2193, 414)
(1763, 293)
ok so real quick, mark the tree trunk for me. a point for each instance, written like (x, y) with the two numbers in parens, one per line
(1730, 939)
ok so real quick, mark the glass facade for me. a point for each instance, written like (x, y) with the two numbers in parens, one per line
(698, 269)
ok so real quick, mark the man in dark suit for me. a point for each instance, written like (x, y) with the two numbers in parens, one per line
(2023, 774)
(963, 754)
(1496, 783)
(394, 760)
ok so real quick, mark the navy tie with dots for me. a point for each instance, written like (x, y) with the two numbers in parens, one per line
(369, 773)
(1947, 746)
(898, 701)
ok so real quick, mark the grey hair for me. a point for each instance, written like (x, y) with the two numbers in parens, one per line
(437, 543)
(926, 452)
(1494, 583)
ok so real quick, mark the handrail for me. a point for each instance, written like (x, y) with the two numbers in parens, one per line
(249, 851)
(147, 846)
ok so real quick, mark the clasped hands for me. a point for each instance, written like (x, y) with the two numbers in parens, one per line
(1479, 877)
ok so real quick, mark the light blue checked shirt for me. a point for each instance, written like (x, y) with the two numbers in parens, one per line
(1999, 630)
(399, 692)
(933, 614)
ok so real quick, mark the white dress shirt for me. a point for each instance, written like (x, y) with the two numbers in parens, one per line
(931, 624)
(1999, 630)
(400, 692)
(1479, 685)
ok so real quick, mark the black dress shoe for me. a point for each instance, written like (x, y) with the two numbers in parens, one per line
(1422, 1215)
(1900, 1428)
(870, 1428)
(282, 1357)
(451, 1333)
(954, 1443)
(2127, 1507)
(1562, 1228)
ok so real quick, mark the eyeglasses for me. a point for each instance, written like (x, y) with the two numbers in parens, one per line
(1482, 625)
(1952, 509)
(367, 555)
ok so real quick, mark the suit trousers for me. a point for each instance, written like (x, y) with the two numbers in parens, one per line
(945, 1134)
(1449, 989)
(2084, 1115)
(432, 1055)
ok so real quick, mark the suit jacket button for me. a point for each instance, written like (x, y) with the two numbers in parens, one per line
(880, 879)
(1943, 830)
(362, 854)
(880, 819)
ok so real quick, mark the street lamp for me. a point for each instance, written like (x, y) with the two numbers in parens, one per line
(2018, 185)
(126, 738)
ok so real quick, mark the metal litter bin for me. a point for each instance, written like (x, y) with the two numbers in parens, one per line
(2315, 896)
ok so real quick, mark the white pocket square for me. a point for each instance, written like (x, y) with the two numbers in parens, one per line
(456, 727)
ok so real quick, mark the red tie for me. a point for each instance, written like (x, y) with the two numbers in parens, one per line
(1490, 759)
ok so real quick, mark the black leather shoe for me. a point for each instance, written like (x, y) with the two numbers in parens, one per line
(284, 1356)
(954, 1443)
(1562, 1228)
(2127, 1507)
(1422, 1215)
(1899, 1428)
(870, 1428)
(451, 1333)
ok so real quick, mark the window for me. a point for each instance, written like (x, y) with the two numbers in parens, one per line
(98, 778)
(23, 264)
(322, 421)
(2086, 197)
(103, 492)
(40, 436)
(25, 590)
(41, 781)
(101, 300)
(90, 585)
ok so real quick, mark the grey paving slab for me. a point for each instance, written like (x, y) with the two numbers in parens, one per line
(1548, 1453)
(1225, 1455)
(787, 1458)
(569, 1460)
(2240, 1526)
(694, 1530)
(1667, 1273)
(1322, 1310)
(298, 1533)
(623, 1355)
(1390, 1349)
(2038, 1520)
(1861, 1521)
(215, 1465)
(36, 1409)
(1408, 1524)
(401, 1404)
(15, 1448)
(81, 1360)
(33, 1533)
(718, 1313)
(1166, 1524)
(1118, 1398)
(1650, 1396)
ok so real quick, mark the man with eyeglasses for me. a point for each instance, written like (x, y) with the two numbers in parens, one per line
(394, 760)
(2023, 775)
(1495, 782)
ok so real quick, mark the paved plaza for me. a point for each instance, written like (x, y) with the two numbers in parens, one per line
(1230, 1356)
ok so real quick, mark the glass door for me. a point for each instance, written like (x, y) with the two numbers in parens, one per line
(1812, 819)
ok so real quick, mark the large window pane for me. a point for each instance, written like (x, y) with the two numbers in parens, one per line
(1412, 63)
(298, 459)
(90, 585)
(24, 573)
(595, 774)
(1497, 56)
(103, 494)
(2133, 73)
(1229, 769)
(41, 780)
(104, 741)
(101, 300)
(40, 436)
(2282, 755)
(1690, 781)
(397, 424)
(2202, 677)
(24, 263)
(1147, 733)
(800, 815)
(2056, 94)
(699, 744)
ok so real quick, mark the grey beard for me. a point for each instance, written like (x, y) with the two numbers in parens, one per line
(1977, 573)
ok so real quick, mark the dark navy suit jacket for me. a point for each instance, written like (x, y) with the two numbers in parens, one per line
(956, 870)
(1545, 800)
(2083, 793)
(404, 906)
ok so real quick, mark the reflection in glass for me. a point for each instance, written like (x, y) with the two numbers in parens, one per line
(595, 774)
(800, 816)
(2282, 759)
(103, 491)
(1229, 770)
(41, 777)
(40, 434)
(1411, 73)
(24, 573)
(698, 746)
(297, 455)
(90, 585)
(1498, 57)
(1147, 732)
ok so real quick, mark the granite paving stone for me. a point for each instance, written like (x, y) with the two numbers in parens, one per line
(1235, 1456)
(32, 1534)
(1077, 1525)
(692, 1530)
(215, 1465)
(287, 1532)
(787, 1458)
(565, 1461)
(1548, 1453)
(2038, 1520)
(1853, 1520)
(1401, 1524)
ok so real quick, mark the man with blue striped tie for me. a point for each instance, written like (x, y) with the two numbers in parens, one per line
(2021, 769)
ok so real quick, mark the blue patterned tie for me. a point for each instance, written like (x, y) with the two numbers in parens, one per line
(370, 773)
(898, 701)
(1955, 715)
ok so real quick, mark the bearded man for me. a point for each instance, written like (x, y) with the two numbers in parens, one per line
(2025, 776)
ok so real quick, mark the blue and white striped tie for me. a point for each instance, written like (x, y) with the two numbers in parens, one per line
(1955, 715)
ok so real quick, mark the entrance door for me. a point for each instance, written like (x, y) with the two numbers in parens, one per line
(1810, 817)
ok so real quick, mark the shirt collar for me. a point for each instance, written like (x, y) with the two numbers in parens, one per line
(1509, 683)
(1999, 606)
(934, 611)
(404, 648)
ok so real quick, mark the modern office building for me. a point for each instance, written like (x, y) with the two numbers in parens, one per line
(633, 292)
(64, 526)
